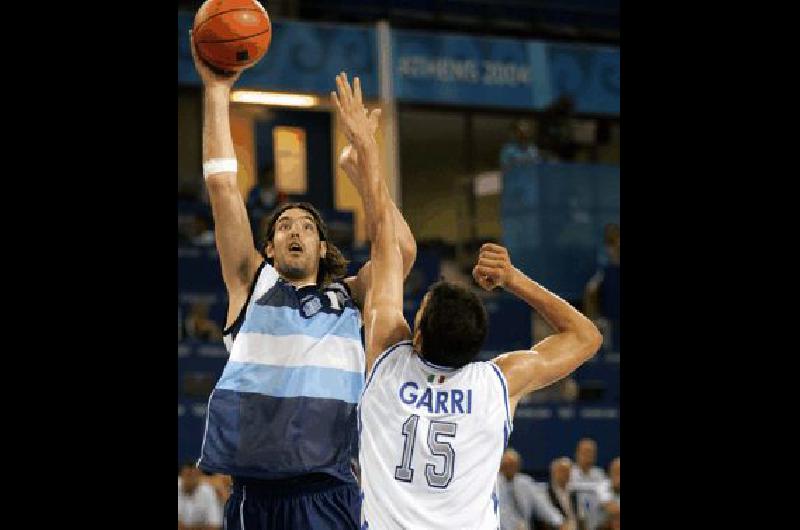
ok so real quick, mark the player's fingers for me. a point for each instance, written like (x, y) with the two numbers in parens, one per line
(479, 278)
(342, 92)
(493, 254)
(491, 262)
(357, 91)
(335, 99)
(484, 271)
(375, 118)
(342, 88)
(347, 91)
(485, 281)
(493, 248)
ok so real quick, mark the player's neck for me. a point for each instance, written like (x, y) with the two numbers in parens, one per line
(297, 284)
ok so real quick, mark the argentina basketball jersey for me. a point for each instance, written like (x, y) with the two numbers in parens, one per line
(285, 404)
(431, 439)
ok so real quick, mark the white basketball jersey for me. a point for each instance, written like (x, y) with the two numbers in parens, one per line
(431, 439)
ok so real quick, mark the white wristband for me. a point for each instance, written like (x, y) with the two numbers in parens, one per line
(219, 165)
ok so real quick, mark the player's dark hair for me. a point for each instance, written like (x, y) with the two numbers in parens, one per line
(333, 266)
(453, 325)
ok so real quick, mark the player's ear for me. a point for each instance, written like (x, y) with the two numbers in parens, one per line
(270, 250)
(323, 249)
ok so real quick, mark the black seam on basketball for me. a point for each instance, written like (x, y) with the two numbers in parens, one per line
(221, 65)
(244, 37)
(197, 28)
(224, 64)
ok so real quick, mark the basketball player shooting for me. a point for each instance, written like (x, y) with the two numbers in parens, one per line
(281, 420)
(433, 422)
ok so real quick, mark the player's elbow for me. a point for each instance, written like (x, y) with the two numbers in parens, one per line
(592, 339)
(408, 250)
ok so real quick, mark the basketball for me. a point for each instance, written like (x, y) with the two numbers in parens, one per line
(231, 34)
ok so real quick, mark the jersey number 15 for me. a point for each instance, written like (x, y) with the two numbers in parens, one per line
(405, 472)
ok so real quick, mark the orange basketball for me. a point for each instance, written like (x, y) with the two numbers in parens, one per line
(231, 34)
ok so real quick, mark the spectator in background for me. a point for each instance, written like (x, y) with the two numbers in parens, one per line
(556, 136)
(521, 149)
(585, 458)
(585, 485)
(558, 492)
(613, 483)
(521, 499)
(601, 295)
(198, 508)
(609, 497)
(199, 326)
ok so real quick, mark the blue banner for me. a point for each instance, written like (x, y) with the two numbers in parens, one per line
(589, 75)
(303, 57)
(430, 68)
(466, 70)
(493, 72)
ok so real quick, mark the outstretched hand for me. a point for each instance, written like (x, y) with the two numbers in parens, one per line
(359, 124)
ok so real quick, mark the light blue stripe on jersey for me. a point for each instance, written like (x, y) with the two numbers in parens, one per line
(280, 321)
(296, 381)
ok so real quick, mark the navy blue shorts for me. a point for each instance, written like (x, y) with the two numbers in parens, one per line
(313, 502)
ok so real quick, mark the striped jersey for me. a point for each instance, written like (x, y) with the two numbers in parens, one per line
(285, 404)
(431, 440)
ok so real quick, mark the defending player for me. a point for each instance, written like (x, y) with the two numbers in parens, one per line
(433, 422)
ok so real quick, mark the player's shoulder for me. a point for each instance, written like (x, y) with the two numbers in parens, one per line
(489, 372)
(487, 376)
(390, 358)
(266, 270)
(264, 277)
(398, 351)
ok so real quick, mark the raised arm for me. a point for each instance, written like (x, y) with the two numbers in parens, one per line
(576, 339)
(237, 253)
(383, 306)
(348, 161)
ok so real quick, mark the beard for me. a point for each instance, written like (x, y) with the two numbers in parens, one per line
(293, 271)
